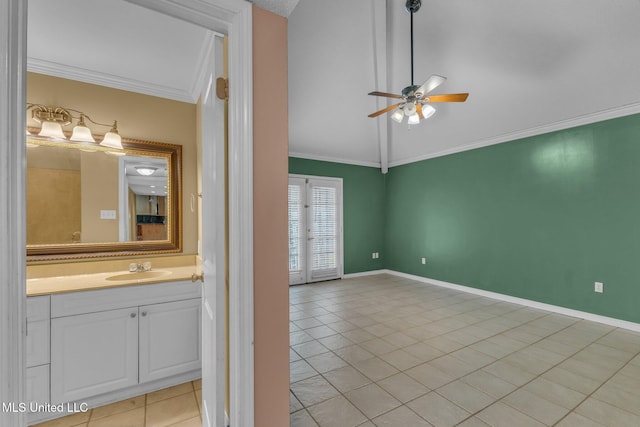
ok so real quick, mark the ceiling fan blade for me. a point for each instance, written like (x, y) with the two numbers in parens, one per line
(450, 97)
(430, 84)
(385, 110)
(419, 110)
(388, 95)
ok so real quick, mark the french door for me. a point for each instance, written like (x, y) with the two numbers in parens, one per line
(315, 229)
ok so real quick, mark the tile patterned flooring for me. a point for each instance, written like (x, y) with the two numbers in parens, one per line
(388, 351)
(177, 406)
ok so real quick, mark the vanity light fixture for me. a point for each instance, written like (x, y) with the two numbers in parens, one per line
(146, 170)
(53, 119)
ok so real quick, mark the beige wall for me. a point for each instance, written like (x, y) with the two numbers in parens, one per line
(53, 201)
(99, 189)
(139, 117)
(270, 179)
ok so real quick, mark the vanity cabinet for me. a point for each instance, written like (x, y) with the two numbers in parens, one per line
(37, 349)
(109, 340)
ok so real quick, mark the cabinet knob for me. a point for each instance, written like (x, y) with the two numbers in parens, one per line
(144, 313)
(132, 315)
(195, 277)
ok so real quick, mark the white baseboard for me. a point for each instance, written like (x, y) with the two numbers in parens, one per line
(618, 323)
(364, 273)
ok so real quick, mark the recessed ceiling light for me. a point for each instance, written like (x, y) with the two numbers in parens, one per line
(146, 170)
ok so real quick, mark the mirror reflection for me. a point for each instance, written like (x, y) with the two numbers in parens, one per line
(75, 196)
(84, 200)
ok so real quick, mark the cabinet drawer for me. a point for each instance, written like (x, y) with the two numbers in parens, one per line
(38, 331)
(82, 302)
(38, 384)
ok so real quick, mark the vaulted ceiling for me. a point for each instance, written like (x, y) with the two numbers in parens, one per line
(530, 67)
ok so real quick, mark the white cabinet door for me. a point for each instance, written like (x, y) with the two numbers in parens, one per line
(169, 339)
(93, 354)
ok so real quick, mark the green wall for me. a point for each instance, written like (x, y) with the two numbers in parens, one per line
(363, 210)
(541, 218)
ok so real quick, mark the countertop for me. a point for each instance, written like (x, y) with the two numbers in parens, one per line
(85, 282)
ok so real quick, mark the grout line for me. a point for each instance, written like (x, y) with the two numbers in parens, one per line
(602, 383)
(494, 316)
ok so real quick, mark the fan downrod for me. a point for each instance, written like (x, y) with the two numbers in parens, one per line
(413, 5)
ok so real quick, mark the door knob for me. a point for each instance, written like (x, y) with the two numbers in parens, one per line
(195, 277)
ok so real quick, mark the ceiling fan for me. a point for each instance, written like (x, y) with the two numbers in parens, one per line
(415, 102)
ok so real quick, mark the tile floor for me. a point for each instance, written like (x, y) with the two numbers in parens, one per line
(177, 406)
(387, 351)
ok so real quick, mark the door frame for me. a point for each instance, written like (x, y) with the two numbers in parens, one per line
(212, 206)
(230, 17)
(340, 245)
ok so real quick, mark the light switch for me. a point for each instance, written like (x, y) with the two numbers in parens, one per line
(107, 214)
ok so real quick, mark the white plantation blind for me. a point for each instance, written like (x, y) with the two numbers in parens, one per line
(324, 231)
(295, 228)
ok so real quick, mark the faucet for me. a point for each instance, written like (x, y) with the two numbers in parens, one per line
(139, 267)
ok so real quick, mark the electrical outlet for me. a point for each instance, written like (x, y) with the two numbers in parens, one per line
(598, 287)
(424, 260)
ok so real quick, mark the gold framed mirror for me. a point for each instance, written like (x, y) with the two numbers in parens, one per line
(96, 202)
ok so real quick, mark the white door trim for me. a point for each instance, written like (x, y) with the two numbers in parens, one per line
(212, 216)
(13, 45)
(231, 17)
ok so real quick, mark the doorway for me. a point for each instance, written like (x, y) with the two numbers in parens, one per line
(315, 229)
(229, 17)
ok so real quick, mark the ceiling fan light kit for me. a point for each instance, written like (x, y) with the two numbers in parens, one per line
(415, 105)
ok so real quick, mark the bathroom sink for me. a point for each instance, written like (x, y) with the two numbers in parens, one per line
(138, 276)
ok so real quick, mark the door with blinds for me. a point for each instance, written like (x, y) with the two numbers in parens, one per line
(315, 229)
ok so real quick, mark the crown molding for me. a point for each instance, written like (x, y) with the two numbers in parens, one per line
(333, 160)
(109, 80)
(612, 113)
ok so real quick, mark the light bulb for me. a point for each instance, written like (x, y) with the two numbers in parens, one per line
(81, 132)
(112, 139)
(51, 130)
(414, 119)
(397, 116)
(409, 109)
(427, 111)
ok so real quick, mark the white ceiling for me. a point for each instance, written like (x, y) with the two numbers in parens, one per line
(117, 44)
(529, 67)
